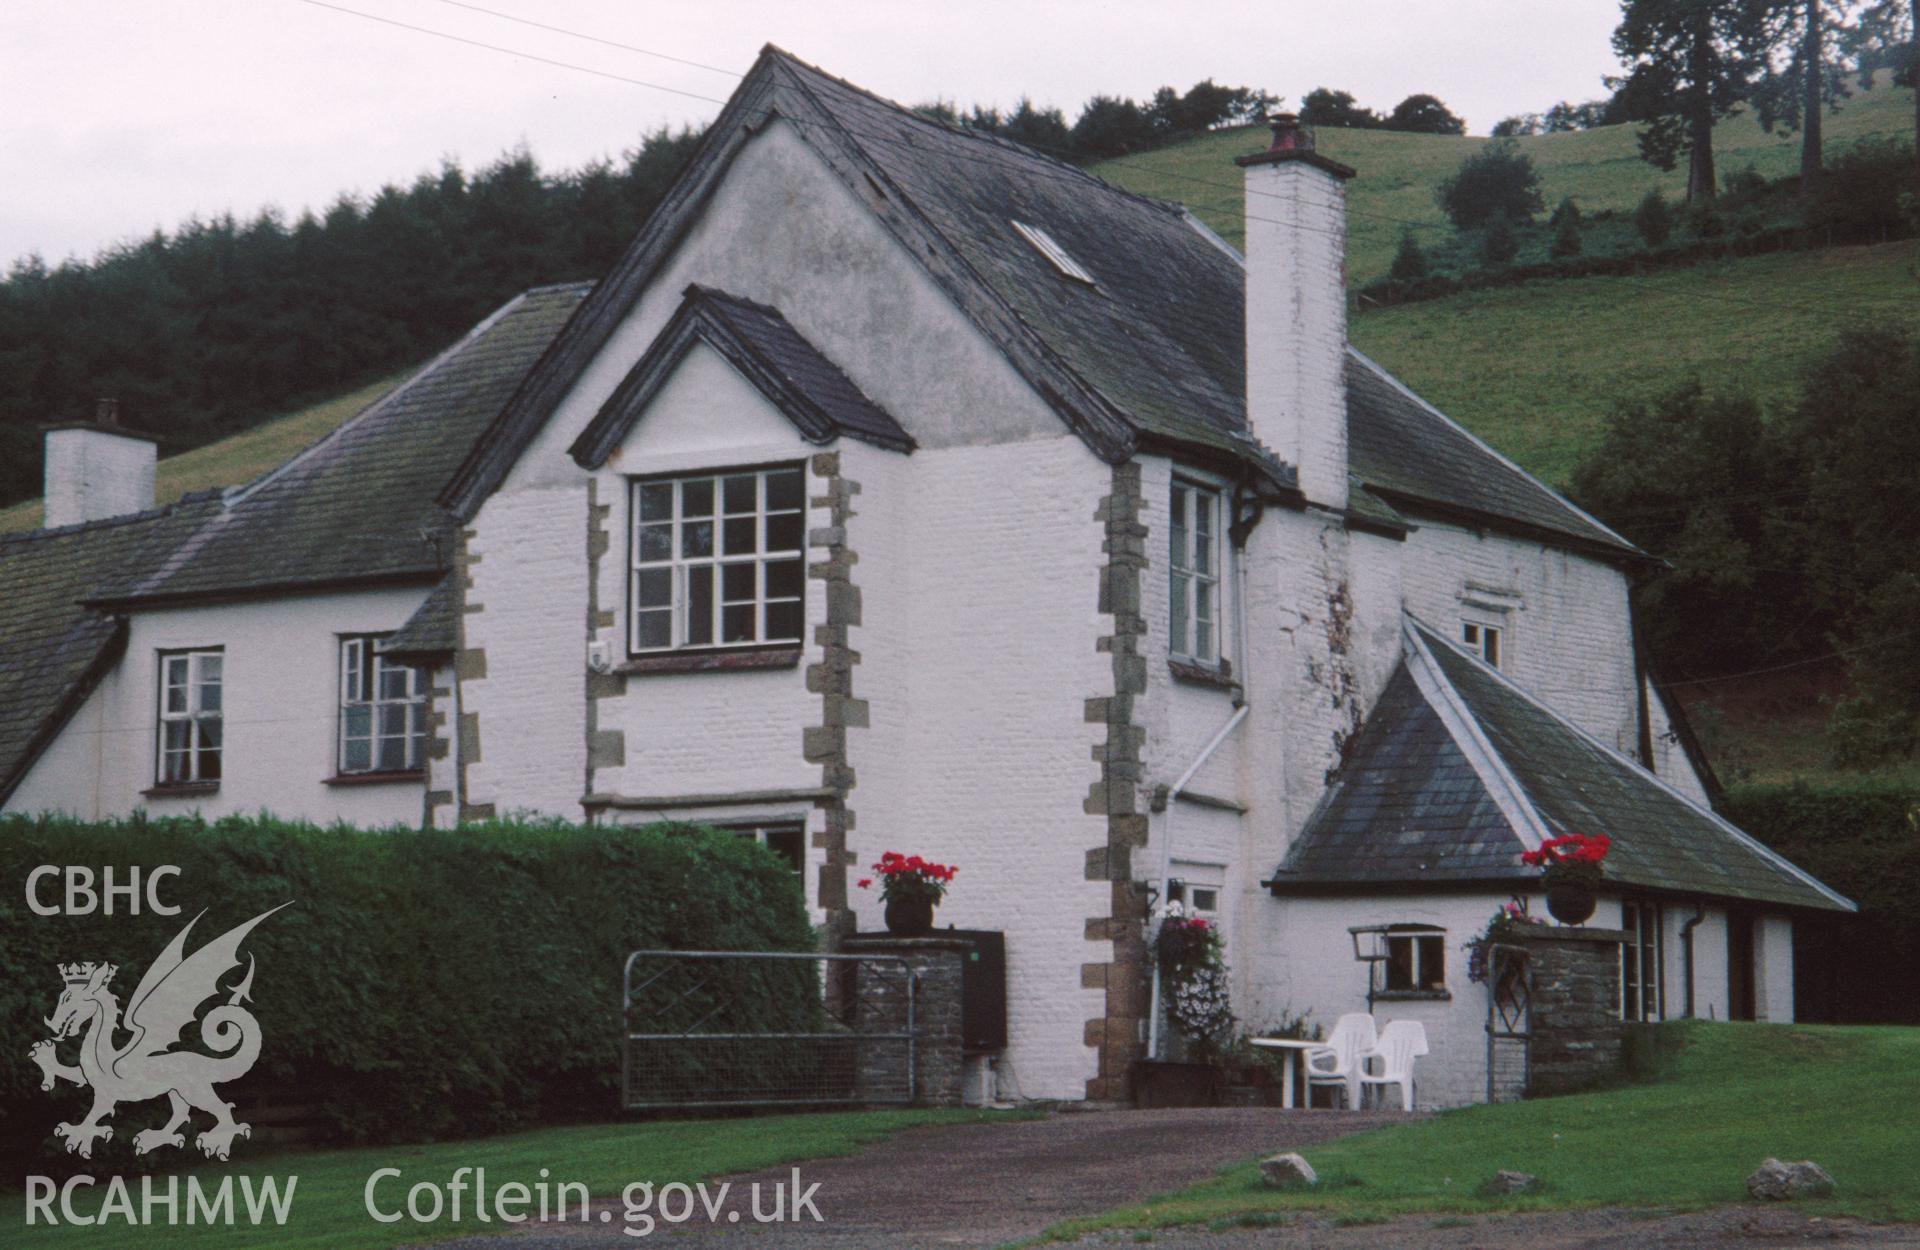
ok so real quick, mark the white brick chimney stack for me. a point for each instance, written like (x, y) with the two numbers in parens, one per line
(97, 469)
(1296, 215)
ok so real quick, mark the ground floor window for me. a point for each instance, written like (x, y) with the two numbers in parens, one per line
(1642, 976)
(786, 838)
(1416, 962)
(1194, 898)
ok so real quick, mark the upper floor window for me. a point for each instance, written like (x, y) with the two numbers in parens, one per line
(1482, 640)
(718, 560)
(190, 717)
(1193, 564)
(383, 711)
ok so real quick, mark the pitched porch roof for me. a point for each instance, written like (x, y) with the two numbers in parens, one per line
(1458, 770)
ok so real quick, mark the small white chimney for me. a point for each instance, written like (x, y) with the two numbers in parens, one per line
(97, 469)
(1296, 216)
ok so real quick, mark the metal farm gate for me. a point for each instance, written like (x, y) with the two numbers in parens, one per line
(766, 1028)
(1509, 1022)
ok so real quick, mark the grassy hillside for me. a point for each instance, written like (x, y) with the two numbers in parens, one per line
(1600, 168)
(1534, 369)
(238, 459)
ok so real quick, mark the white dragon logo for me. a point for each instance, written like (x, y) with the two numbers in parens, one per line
(163, 1005)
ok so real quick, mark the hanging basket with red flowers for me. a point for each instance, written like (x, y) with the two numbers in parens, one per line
(1571, 868)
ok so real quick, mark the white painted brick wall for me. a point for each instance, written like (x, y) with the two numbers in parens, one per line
(530, 583)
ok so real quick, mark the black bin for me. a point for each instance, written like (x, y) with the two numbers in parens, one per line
(983, 988)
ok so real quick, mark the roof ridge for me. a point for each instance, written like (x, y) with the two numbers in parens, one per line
(154, 513)
(1012, 146)
(1639, 770)
(1505, 789)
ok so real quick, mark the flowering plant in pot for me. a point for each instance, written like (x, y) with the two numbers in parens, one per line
(1571, 869)
(911, 887)
(1504, 925)
(1193, 970)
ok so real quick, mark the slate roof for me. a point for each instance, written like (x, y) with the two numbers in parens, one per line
(763, 346)
(431, 631)
(1150, 353)
(357, 508)
(52, 648)
(1457, 771)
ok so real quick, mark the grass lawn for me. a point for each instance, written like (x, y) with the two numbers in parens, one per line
(1734, 1094)
(328, 1211)
(236, 459)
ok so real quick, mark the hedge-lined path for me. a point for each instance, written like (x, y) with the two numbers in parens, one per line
(979, 1185)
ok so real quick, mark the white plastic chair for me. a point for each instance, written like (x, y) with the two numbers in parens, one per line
(1400, 1043)
(1353, 1036)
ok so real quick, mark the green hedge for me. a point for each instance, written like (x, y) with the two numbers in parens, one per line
(1864, 841)
(424, 984)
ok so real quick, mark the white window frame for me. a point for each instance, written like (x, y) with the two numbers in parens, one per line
(1643, 997)
(1186, 894)
(1189, 500)
(683, 565)
(1427, 952)
(199, 712)
(363, 671)
(1484, 639)
(763, 831)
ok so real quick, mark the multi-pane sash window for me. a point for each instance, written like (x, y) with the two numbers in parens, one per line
(190, 725)
(1194, 573)
(719, 560)
(383, 711)
(1641, 988)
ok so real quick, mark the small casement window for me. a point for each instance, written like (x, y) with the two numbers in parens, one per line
(718, 560)
(383, 711)
(1193, 564)
(787, 839)
(1642, 976)
(1482, 640)
(1416, 962)
(1194, 898)
(190, 717)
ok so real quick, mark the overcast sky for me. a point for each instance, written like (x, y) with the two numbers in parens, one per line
(119, 116)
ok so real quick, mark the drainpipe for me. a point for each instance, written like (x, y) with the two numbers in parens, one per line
(1686, 950)
(1240, 709)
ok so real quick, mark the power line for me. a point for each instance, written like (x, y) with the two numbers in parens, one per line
(575, 34)
(494, 47)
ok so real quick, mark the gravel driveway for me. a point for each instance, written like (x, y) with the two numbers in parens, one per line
(972, 1185)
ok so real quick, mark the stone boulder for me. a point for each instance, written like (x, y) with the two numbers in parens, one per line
(1774, 1181)
(1505, 1182)
(1287, 1171)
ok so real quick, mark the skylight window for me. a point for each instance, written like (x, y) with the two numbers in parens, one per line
(1045, 245)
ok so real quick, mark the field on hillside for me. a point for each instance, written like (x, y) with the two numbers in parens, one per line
(236, 459)
(1599, 168)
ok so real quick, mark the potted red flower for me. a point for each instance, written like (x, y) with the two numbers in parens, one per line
(1570, 868)
(911, 887)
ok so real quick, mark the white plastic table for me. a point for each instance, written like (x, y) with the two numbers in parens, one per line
(1292, 1053)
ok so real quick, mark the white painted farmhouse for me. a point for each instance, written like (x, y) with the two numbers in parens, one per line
(904, 489)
